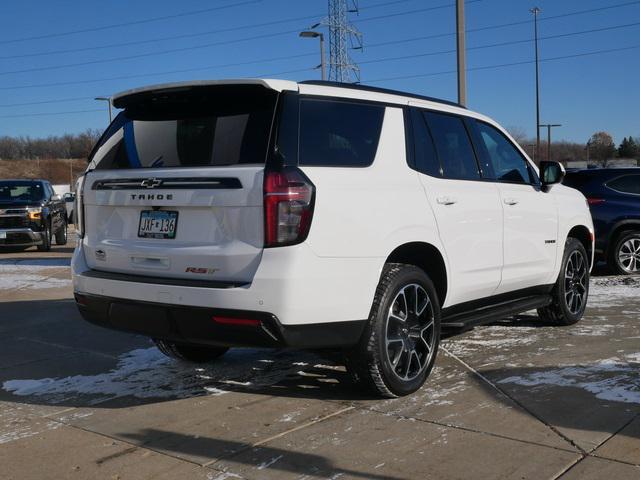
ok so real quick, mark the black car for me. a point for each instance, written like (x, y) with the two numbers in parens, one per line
(31, 214)
(613, 195)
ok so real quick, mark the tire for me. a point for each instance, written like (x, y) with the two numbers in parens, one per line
(190, 353)
(394, 357)
(46, 241)
(571, 291)
(625, 255)
(61, 235)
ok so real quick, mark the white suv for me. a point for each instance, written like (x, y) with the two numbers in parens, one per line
(273, 213)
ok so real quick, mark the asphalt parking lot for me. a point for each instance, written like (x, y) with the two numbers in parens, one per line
(514, 400)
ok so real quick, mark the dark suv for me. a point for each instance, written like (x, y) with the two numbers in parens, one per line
(31, 214)
(614, 199)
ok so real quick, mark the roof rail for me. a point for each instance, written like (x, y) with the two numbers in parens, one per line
(368, 88)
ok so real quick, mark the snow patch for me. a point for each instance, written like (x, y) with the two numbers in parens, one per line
(270, 462)
(613, 379)
(147, 373)
(31, 276)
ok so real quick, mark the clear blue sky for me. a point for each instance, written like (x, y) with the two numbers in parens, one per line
(585, 94)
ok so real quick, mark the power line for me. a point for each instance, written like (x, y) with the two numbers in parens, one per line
(308, 17)
(153, 74)
(125, 24)
(213, 44)
(288, 57)
(501, 25)
(500, 44)
(192, 35)
(41, 102)
(404, 77)
(504, 65)
(43, 114)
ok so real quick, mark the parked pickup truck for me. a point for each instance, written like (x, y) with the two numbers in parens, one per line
(31, 213)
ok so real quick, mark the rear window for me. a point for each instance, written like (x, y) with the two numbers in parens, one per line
(626, 184)
(199, 126)
(341, 134)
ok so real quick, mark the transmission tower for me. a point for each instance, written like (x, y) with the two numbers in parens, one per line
(342, 37)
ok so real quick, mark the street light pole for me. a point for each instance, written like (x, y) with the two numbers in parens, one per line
(108, 100)
(536, 11)
(549, 127)
(320, 35)
(462, 55)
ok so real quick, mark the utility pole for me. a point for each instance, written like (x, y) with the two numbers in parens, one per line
(549, 127)
(108, 100)
(536, 11)
(462, 54)
(314, 34)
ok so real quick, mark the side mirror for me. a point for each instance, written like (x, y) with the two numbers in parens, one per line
(551, 173)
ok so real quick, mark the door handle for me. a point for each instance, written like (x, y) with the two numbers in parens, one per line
(510, 201)
(446, 200)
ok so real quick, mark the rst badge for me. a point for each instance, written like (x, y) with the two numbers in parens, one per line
(201, 270)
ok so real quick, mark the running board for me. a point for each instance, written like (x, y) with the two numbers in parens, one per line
(465, 320)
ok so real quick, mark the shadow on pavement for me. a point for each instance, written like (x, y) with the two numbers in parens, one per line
(50, 356)
(602, 396)
(261, 457)
(37, 261)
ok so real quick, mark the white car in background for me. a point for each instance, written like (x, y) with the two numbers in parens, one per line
(272, 213)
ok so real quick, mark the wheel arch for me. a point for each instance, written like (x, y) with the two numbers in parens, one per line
(584, 236)
(615, 232)
(426, 257)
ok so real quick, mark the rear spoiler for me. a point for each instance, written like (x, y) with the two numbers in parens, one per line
(120, 100)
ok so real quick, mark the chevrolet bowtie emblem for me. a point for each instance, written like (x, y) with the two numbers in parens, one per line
(151, 183)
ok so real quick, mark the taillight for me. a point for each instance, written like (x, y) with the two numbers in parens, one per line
(288, 207)
(80, 206)
(595, 201)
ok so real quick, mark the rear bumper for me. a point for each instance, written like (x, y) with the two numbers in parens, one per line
(19, 237)
(292, 283)
(212, 326)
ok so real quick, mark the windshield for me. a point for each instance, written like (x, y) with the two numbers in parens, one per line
(20, 191)
(212, 126)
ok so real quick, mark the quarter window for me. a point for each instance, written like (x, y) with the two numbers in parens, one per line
(453, 146)
(340, 134)
(626, 184)
(507, 162)
(425, 157)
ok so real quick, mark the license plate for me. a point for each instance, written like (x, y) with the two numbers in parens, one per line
(158, 224)
(3, 235)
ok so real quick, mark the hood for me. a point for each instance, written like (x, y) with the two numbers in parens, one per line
(19, 204)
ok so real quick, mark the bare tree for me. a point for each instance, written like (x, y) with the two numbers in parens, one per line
(519, 135)
(601, 148)
(66, 146)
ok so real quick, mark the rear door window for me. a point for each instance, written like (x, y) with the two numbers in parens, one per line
(337, 133)
(626, 184)
(453, 145)
(202, 126)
